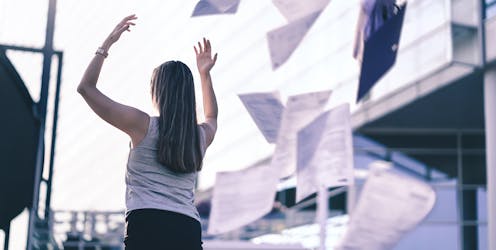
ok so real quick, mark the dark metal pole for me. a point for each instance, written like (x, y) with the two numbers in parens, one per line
(54, 136)
(459, 189)
(41, 108)
(6, 240)
(47, 60)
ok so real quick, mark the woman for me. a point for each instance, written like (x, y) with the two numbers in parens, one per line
(167, 151)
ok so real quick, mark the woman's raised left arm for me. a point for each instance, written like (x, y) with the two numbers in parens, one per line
(128, 119)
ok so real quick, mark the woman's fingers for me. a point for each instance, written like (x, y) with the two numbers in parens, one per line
(129, 24)
(215, 58)
(125, 26)
(208, 48)
(130, 17)
(126, 19)
(205, 44)
(120, 28)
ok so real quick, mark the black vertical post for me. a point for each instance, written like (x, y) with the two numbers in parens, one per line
(41, 109)
(467, 202)
(459, 188)
(47, 60)
(54, 136)
(6, 240)
(470, 235)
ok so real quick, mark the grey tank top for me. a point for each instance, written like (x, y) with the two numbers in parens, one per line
(150, 184)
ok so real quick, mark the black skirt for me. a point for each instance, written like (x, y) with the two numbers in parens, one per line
(161, 230)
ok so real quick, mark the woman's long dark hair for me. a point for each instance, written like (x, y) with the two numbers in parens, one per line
(173, 91)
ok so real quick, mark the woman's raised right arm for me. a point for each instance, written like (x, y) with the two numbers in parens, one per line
(205, 62)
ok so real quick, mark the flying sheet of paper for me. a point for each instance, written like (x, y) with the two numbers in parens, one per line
(293, 10)
(300, 110)
(224, 5)
(390, 205)
(300, 15)
(214, 7)
(266, 110)
(284, 40)
(242, 197)
(358, 42)
(325, 152)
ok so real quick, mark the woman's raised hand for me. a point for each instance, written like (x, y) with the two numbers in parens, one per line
(204, 59)
(118, 30)
(205, 62)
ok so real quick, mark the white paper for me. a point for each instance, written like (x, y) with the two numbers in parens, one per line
(300, 110)
(390, 205)
(300, 15)
(215, 7)
(359, 40)
(284, 40)
(295, 9)
(241, 197)
(266, 110)
(325, 152)
(223, 5)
